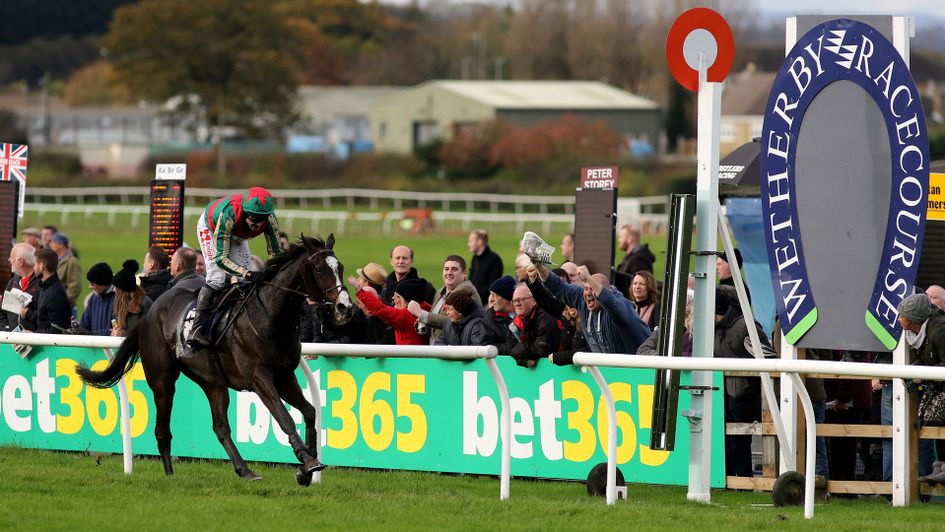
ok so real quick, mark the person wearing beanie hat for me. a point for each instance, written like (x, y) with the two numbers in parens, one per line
(498, 316)
(131, 300)
(97, 318)
(398, 317)
(125, 278)
(503, 287)
(924, 332)
(723, 269)
(465, 315)
(99, 274)
(223, 231)
(411, 290)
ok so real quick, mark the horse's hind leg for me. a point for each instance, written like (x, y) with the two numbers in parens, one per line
(266, 390)
(219, 397)
(163, 387)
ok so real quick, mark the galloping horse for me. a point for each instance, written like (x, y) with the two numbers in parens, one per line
(260, 351)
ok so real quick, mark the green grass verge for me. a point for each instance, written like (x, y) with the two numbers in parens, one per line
(44, 490)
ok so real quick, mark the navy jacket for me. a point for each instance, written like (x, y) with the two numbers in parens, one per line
(614, 327)
(98, 315)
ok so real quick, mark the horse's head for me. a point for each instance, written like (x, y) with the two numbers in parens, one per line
(322, 273)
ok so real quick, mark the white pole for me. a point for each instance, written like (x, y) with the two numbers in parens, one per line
(611, 434)
(901, 450)
(505, 429)
(125, 411)
(707, 194)
(811, 454)
(317, 403)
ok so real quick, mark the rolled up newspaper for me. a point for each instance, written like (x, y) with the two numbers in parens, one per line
(536, 248)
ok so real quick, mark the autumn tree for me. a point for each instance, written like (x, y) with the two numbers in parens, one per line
(228, 61)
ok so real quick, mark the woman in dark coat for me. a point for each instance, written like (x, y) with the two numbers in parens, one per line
(131, 301)
(465, 320)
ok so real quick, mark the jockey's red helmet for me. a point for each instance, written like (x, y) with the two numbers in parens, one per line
(258, 200)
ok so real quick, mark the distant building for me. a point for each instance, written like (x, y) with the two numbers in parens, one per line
(743, 108)
(334, 115)
(441, 109)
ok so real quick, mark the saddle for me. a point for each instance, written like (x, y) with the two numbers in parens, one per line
(221, 314)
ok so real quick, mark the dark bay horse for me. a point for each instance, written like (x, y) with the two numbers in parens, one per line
(260, 351)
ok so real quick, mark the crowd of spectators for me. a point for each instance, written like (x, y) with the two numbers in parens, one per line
(46, 267)
(532, 315)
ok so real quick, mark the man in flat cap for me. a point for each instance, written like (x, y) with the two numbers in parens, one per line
(33, 237)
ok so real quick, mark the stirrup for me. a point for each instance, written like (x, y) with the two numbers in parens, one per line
(196, 340)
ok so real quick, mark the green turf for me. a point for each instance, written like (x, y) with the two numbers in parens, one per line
(44, 490)
(98, 240)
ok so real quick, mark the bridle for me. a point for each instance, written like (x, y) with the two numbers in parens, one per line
(314, 289)
(310, 280)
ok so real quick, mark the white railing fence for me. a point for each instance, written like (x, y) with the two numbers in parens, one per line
(459, 210)
(771, 365)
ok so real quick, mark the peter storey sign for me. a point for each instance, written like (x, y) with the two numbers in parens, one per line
(844, 49)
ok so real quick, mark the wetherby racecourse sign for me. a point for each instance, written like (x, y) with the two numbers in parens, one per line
(844, 50)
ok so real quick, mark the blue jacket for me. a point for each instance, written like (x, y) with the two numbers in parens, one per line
(98, 315)
(614, 327)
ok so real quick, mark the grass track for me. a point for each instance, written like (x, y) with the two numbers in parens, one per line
(44, 490)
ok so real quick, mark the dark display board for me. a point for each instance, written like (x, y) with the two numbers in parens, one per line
(595, 218)
(9, 203)
(167, 214)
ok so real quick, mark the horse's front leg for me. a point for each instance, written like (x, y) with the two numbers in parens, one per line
(291, 393)
(267, 392)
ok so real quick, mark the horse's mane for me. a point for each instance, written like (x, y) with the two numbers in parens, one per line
(303, 245)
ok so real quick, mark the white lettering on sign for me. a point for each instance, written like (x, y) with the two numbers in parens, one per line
(176, 172)
(600, 177)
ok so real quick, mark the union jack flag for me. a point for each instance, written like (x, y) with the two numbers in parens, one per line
(13, 162)
(13, 166)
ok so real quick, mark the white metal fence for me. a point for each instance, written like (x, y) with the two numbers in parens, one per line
(370, 208)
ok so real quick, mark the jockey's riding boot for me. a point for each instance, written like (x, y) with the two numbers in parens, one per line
(198, 337)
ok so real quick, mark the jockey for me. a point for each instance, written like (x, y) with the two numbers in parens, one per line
(223, 231)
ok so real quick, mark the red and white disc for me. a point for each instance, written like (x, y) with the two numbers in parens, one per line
(699, 32)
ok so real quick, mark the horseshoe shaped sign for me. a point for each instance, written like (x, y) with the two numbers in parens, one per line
(844, 50)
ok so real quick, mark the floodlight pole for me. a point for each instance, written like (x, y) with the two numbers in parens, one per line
(707, 194)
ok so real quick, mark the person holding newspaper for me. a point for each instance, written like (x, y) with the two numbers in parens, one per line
(23, 283)
(610, 320)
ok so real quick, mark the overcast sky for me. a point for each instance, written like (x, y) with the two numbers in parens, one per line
(846, 7)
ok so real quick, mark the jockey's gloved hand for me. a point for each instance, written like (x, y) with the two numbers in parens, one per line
(254, 276)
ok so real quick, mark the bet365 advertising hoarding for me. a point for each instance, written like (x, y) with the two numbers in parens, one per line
(377, 413)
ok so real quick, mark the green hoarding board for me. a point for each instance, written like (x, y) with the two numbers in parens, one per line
(419, 414)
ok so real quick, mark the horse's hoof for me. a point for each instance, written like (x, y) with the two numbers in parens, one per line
(304, 478)
(251, 476)
(312, 466)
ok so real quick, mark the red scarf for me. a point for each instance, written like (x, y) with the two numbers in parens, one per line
(25, 281)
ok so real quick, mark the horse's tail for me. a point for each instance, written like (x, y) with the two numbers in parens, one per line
(123, 361)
